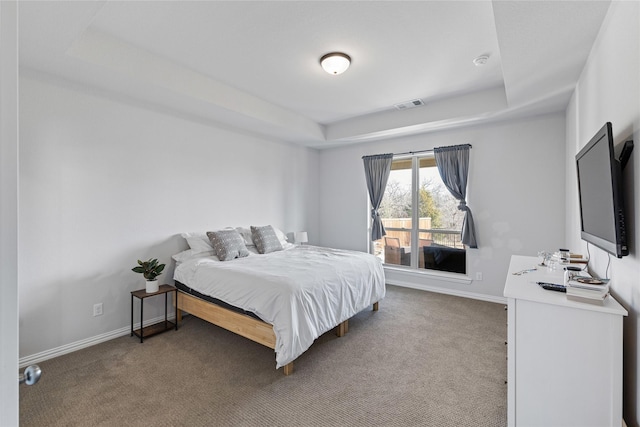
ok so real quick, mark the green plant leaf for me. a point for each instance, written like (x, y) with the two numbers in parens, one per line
(149, 269)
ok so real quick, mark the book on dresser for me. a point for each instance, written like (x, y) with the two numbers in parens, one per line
(588, 290)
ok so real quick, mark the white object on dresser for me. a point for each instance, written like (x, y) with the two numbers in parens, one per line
(564, 357)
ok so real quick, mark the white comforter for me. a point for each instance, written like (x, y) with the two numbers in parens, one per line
(303, 292)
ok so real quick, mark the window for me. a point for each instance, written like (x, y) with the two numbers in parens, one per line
(421, 219)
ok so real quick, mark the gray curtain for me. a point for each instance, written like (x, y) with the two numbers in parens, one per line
(376, 170)
(453, 165)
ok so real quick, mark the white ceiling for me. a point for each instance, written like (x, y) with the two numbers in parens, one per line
(254, 64)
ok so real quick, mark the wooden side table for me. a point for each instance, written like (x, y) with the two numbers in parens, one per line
(161, 326)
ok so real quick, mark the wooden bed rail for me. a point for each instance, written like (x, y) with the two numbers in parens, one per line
(241, 324)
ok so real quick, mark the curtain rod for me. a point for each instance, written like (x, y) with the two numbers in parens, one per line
(413, 152)
(422, 151)
(428, 151)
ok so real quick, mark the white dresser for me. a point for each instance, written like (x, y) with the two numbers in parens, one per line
(564, 357)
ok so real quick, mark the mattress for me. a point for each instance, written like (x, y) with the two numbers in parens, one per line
(186, 289)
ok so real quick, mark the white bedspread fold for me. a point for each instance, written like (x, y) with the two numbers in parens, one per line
(303, 292)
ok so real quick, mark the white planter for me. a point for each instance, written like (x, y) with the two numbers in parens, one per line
(152, 286)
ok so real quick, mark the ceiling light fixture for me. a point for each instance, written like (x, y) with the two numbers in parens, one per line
(335, 62)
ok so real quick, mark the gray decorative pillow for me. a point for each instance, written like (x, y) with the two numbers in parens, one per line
(265, 239)
(227, 244)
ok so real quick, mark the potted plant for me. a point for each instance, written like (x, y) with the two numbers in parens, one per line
(150, 270)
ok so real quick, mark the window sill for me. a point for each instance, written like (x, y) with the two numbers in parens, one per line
(432, 274)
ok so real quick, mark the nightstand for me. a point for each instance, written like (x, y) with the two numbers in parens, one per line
(161, 326)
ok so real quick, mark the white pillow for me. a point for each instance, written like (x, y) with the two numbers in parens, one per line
(246, 236)
(183, 256)
(281, 236)
(198, 241)
(283, 239)
(288, 246)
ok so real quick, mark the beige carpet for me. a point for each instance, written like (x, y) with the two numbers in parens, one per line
(424, 359)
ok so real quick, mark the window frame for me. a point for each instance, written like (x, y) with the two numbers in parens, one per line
(416, 230)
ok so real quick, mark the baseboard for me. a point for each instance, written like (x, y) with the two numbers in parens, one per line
(464, 294)
(88, 342)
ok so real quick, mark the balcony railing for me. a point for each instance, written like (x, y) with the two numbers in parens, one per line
(450, 238)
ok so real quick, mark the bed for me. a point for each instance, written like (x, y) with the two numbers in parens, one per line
(283, 299)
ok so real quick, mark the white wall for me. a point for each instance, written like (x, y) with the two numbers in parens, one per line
(609, 90)
(515, 192)
(104, 183)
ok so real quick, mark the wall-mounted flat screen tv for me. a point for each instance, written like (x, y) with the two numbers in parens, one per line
(600, 193)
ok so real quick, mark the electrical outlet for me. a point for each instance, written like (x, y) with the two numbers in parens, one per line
(97, 309)
(478, 275)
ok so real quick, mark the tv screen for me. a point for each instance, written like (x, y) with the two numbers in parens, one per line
(600, 194)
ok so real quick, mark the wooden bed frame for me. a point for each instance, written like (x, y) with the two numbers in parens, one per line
(241, 324)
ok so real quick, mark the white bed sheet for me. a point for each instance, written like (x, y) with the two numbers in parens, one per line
(303, 292)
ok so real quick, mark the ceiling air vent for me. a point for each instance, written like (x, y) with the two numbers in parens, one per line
(409, 104)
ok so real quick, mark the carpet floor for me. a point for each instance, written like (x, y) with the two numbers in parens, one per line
(424, 359)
